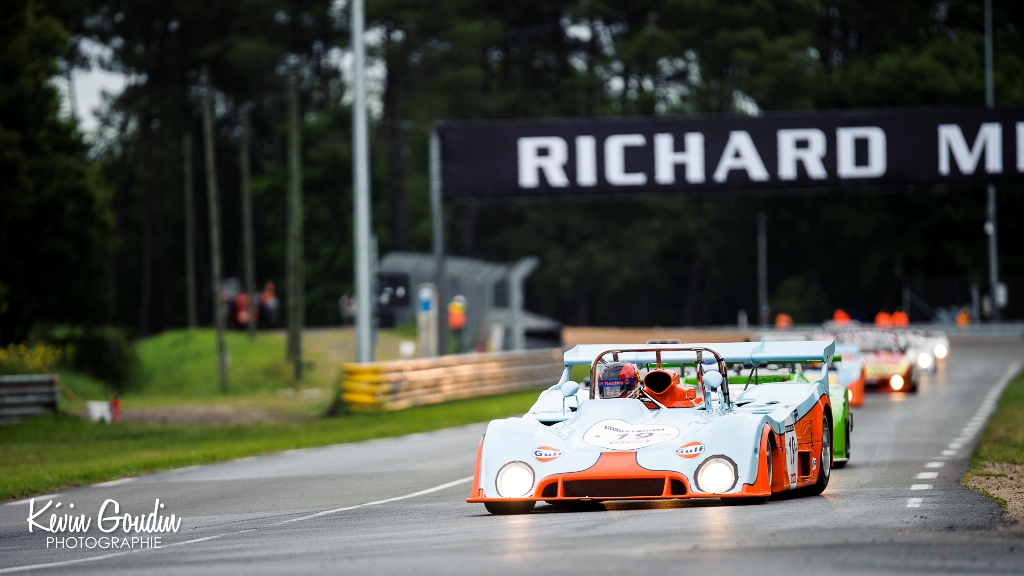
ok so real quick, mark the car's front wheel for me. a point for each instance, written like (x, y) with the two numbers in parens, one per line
(506, 508)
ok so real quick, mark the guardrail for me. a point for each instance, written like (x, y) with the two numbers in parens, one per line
(404, 383)
(27, 395)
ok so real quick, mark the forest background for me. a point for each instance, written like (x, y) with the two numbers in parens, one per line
(92, 224)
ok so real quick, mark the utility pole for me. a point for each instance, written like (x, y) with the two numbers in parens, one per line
(247, 239)
(190, 227)
(212, 201)
(361, 192)
(296, 270)
(437, 225)
(990, 212)
(762, 268)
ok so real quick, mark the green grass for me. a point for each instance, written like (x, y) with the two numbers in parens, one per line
(49, 453)
(1003, 439)
(184, 363)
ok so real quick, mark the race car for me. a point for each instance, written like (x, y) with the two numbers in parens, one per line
(848, 370)
(889, 364)
(662, 422)
(927, 348)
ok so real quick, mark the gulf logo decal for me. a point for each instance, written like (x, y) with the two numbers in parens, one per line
(546, 453)
(690, 450)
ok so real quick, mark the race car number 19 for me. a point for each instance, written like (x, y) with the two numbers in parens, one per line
(621, 435)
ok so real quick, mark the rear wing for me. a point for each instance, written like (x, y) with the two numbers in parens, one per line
(731, 352)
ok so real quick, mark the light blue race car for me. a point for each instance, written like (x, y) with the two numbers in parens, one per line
(667, 422)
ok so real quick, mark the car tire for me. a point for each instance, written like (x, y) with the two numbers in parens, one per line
(825, 460)
(849, 433)
(508, 508)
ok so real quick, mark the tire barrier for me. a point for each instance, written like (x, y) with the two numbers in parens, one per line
(402, 384)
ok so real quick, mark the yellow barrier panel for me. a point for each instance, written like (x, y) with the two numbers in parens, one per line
(404, 383)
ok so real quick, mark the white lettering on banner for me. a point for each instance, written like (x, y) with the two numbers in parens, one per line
(740, 154)
(586, 161)
(666, 158)
(552, 163)
(615, 160)
(1020, 146)
(846, 152)
(811, 155)
(989, 140)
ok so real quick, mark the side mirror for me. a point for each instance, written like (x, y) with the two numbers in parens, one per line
(570, 388)
(712, 380)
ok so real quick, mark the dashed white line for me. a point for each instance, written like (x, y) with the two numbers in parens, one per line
(967, 433)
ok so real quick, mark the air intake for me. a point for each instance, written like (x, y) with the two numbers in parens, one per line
(630, 487)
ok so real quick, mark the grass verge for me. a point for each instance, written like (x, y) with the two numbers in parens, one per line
(1003, 439)
(48, 453)
(997, 465)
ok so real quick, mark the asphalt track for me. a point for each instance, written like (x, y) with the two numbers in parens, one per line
(396, 506)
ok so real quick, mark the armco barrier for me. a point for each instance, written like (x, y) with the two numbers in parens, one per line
(404, 383)
(27, 395)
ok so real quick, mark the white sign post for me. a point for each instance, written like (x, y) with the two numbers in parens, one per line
(426, 320)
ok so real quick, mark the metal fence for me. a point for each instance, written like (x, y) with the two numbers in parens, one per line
(27, 395)
(405, 383)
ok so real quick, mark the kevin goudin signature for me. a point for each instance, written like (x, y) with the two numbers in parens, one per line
(108, 520)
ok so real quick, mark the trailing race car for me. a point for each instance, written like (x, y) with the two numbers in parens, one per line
(662, 422)
(848, 369)
(926, 348)
(888, 364)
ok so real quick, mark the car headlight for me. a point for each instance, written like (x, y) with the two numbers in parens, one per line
(896, 382)
(924, 360)
(940, 351)
(849, 395)
(515, 480)
(716, 475)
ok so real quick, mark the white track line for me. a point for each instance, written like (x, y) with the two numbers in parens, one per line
(114, 483)
(973, 426)
(396, 498)
(318, 514)
(27, 500)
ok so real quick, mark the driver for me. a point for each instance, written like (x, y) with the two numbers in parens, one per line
(618, 380)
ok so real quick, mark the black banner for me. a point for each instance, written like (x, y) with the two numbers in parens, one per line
(680, 154)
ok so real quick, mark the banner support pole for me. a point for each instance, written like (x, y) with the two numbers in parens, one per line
(990, 209)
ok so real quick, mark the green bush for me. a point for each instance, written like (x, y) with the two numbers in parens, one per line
(102, 352)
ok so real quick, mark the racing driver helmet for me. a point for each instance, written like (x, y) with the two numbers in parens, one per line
(617, 380)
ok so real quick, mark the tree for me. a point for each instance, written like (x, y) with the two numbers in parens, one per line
(55, 216)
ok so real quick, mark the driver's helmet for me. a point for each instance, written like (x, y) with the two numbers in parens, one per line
(617, 380)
